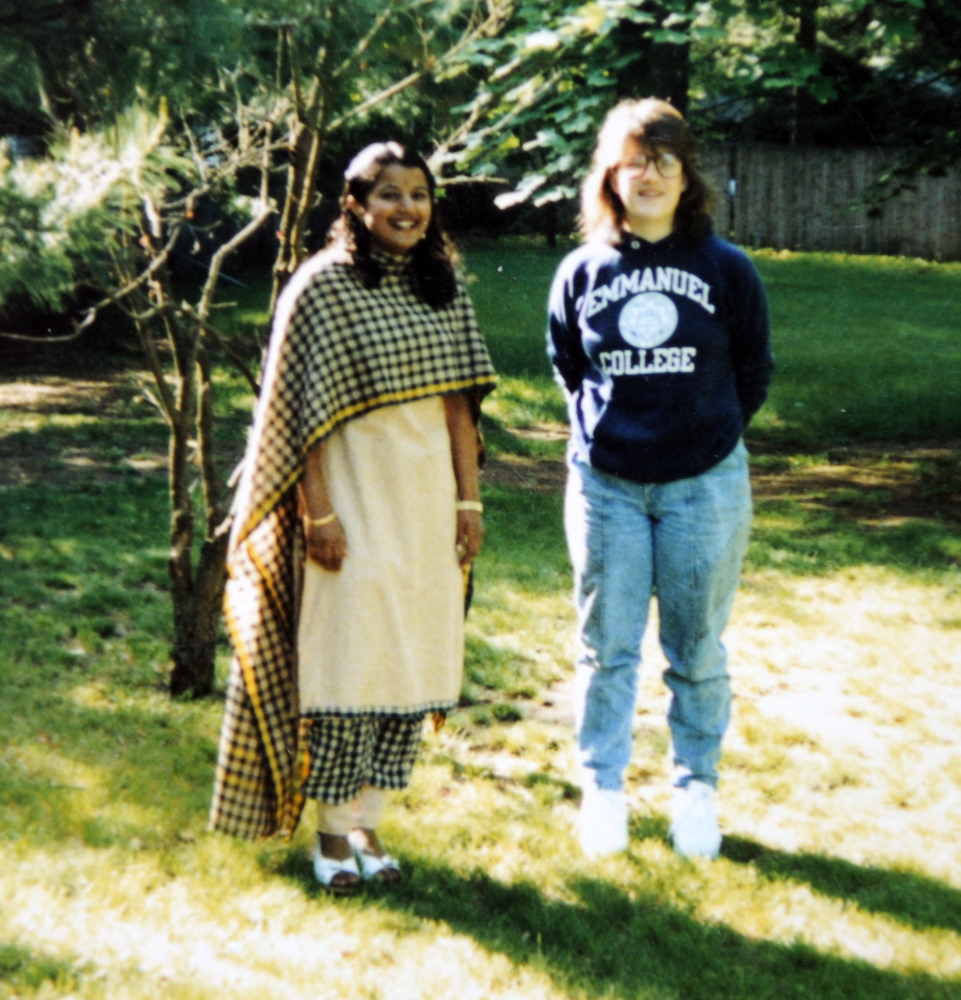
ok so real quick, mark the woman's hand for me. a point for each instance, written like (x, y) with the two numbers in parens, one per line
(326, 543)
(464, 446)
(470, 535)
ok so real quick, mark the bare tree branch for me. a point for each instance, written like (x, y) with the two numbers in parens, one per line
(467, 179)
(436, 159)
(385, 95)
(364, 44)
(499, 11)
(224, 251)
(145, 276)
(152, 399)
(320, 63)
(29, 338)
(218, 341)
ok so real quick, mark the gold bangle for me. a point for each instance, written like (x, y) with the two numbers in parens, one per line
(470, 505)
(319, 522)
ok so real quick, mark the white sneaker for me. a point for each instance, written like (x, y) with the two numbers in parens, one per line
(602, 821)
(694, 827)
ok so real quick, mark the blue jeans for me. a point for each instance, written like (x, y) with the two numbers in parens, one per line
(684, 541)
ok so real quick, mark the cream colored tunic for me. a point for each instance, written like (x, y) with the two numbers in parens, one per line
(386, 632)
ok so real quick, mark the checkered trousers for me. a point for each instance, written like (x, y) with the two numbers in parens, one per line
(348, 752)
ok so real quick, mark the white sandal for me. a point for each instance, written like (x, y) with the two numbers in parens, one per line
(327, 869)
(384, 869)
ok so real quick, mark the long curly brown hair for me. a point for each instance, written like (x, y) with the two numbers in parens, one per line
(433, 260)
(658, 125)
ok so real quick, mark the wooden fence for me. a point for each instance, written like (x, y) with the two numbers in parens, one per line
(808, 198)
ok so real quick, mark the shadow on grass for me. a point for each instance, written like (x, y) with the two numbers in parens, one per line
(100, 450)
(609, 943)
(524, 548)
(525, 540)
(915, 900)
(805, 524)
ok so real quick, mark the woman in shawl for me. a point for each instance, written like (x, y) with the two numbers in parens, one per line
(363, 457)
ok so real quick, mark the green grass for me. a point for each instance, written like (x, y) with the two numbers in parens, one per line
(867, 348)
(840, 875)
(23, 971)
(509, 284)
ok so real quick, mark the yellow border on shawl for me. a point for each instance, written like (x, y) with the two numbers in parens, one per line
(264, 508)
(233, 781)
(253, 692)
(271, 588)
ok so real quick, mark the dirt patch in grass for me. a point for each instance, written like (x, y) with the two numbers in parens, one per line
(544, 475)
(59, 430)
(878, 485)
(881, 484)
(49, 394)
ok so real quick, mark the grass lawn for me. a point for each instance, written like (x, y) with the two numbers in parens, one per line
(840, 875)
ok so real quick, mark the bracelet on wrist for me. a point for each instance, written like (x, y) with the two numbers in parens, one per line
(319, 522)
(470, 505)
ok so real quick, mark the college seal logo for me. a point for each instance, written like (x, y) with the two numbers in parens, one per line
(648, 319)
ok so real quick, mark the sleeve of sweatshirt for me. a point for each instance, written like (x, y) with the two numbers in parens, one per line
(750, 329)
(564, 347)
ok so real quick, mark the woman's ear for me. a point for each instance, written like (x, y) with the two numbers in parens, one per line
(354, 206)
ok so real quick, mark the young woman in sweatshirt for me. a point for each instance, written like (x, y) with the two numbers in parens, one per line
(659, 335)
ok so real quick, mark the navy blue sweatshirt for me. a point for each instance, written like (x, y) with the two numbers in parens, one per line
(664, 349)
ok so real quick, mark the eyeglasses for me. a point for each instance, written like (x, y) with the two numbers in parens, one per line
(666, 164)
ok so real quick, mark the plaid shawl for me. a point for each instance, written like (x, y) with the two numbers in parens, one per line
(338, 350)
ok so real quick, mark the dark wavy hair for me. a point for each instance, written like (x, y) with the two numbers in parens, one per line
(656, 125)
(433, 260)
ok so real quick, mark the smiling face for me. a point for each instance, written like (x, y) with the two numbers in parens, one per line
(398, 209)
(650, 199)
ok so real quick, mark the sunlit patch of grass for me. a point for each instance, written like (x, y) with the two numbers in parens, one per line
(522, 404)
(890, 322)
(870, 742)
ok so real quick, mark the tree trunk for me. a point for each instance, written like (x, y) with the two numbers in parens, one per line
(301, 186)
(197, 623)
(805, 106)
(197, 594)
(657, 69)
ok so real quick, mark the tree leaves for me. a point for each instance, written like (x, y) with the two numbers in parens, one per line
(781, 70)
(562, 63)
